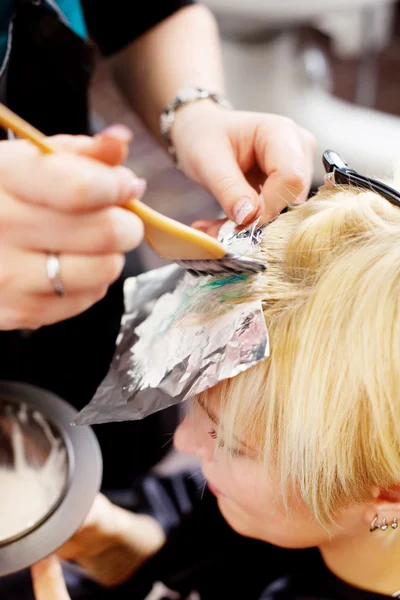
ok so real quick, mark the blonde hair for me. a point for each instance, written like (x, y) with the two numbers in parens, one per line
(325, 407)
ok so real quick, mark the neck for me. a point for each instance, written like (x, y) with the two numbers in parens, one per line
(369, 561)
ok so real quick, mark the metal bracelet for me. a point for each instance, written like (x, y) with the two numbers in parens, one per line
(183, 97)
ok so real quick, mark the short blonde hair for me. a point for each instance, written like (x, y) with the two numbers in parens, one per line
(325, 407)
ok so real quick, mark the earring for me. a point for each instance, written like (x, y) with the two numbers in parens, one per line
(384, 527)
(374, 524)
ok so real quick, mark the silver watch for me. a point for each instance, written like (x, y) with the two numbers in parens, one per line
(183, 97)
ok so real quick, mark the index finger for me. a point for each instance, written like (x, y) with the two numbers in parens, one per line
(107, 147)
(285, 153)
(48, 580)
(64, 181)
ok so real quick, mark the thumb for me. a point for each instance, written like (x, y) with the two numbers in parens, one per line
(48, 580)
(220, 173)
(209, 226)
(109, 146)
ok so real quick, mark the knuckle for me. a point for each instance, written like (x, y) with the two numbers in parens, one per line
(78, 192)
(283, 121)
(8, 225)
(109, 234)
(60, 141)
(289, 122)
(99, 294)
(296, 181)
(137, 232)
(112, 267)
(63, 141)
(6, 277)
(226, 184)
(310, 139)
(19, 317)
(88, 299)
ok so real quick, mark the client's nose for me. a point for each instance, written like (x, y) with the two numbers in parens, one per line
(192, 438)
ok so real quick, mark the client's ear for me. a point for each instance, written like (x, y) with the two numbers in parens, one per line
(384, 510)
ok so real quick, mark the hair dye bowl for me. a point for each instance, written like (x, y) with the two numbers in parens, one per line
(50, 473)
(34, 464)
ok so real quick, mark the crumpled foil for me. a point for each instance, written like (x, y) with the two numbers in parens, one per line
(169, 348)
(241, 240)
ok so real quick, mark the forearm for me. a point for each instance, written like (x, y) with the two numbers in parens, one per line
(113, 543)
(182, 51)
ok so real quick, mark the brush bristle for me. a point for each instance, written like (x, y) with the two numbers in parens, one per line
(230, 264)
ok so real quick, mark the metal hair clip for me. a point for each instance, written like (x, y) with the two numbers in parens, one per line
(339, 173)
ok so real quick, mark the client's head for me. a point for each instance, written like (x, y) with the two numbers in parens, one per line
(305, 446)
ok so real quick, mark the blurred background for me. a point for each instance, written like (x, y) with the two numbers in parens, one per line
(331, 65)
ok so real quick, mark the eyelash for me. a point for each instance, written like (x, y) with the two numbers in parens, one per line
(233, 451)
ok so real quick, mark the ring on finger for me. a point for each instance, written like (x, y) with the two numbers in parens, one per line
(53, 274)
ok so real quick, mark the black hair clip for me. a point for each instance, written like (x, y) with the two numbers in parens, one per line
(339, 173)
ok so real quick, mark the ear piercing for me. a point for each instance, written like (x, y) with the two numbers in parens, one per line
(384, 525)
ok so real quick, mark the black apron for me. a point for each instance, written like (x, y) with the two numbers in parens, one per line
(49, 70)
(45, 79)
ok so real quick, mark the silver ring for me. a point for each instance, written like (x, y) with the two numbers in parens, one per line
(54, 275)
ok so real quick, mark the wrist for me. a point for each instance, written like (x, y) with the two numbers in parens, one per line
(124, 542)
(141, 534)
(186, 106)
(191, 113)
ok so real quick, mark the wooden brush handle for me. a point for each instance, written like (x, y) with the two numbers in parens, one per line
(20, 127)
(164, 230)
(9, 120)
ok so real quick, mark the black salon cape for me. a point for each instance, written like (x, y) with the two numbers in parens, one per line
(204, 559)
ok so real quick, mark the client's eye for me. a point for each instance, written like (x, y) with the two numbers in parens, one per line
(235, 452)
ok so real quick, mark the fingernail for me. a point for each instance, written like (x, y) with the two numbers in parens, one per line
(131, 186)
(139, 187)
(242, 210)
(118, 131)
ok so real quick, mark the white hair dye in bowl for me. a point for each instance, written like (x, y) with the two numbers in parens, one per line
(33, 469)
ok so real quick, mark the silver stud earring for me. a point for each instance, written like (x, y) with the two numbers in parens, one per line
(384, 525)
(395, 523)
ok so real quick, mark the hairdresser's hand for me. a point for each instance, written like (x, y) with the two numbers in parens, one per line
(233, 154)
(113, 543)
(48, 581)
(69, 204)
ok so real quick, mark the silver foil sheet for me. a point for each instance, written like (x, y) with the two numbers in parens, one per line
(171, 347)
